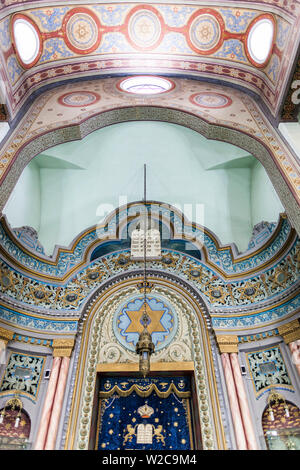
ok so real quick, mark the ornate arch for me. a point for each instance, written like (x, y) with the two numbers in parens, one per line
(94, 338)
(260, 139)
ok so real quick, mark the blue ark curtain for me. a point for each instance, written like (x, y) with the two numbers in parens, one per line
(144, 414)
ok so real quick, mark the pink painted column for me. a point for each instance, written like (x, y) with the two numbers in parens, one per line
(243, 402)
(57, 404)
(234, 404)
(48, 405)
(295, 351)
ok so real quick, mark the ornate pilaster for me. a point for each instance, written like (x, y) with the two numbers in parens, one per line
(46, 437)
(241, 416)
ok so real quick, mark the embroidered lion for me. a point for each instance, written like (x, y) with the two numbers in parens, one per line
(130, 433)
(158, 434)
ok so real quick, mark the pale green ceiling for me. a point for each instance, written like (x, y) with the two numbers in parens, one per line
(69, 187)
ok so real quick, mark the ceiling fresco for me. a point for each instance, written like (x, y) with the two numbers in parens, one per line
(249, 46)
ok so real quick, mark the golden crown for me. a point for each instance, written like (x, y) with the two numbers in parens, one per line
(145, 411)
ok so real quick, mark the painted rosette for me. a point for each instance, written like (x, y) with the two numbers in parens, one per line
(79, 99)
(205, 31)
(259, 40)
(81, 28)
(211, 100)
(145, 85)
(27, 40)
(144, 28)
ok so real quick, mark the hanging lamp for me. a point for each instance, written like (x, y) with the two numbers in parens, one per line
(145, 347)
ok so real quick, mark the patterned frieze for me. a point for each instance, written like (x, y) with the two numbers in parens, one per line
(31, 322)
(258, 318)
(274, 282)
(204, 39)
(258, 336)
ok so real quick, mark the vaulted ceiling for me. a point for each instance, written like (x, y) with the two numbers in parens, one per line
(249, 45)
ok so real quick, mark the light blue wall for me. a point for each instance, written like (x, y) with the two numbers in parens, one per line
(24, 205)
(79, 181)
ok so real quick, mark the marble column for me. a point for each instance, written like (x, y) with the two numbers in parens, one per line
(234, 403)
(291, 335)
(295, 351)
(243, 403)
(57, 404)
(5, 337)
(48, 405)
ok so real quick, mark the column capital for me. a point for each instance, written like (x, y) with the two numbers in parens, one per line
(290, 331)
(63, 347)
(6, 335)
(227, 343)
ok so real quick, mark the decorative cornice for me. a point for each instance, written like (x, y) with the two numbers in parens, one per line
(63, 347)
(212, 251)
(6, 335)
(227, 343)
(290, 331)
(258, 336)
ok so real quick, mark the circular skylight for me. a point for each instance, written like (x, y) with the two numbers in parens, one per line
(27, 40)
(260, 40)
(146, 85)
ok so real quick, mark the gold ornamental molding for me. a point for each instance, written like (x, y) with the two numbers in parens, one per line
(63, 347)
(6, 335)
(228, 343)
(290, 331)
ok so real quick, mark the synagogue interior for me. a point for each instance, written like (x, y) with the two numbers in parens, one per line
(150, 225)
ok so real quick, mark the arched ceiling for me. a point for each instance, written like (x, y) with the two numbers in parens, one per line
(75, 185)
(226, 41)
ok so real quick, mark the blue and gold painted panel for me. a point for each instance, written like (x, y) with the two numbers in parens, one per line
(144, 414)
(268, 370)
(23, 373)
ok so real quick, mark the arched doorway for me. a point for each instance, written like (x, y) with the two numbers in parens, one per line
(281, 426)
(14, 426)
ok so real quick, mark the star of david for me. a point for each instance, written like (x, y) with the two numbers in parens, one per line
(136, 326)
(144, 28)
(82, 31)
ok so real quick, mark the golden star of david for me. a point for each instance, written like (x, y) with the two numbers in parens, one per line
(136, 316)
(81, 31)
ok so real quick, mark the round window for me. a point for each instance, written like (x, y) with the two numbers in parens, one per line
(27, 40)
(260, 40)
(145, 85)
